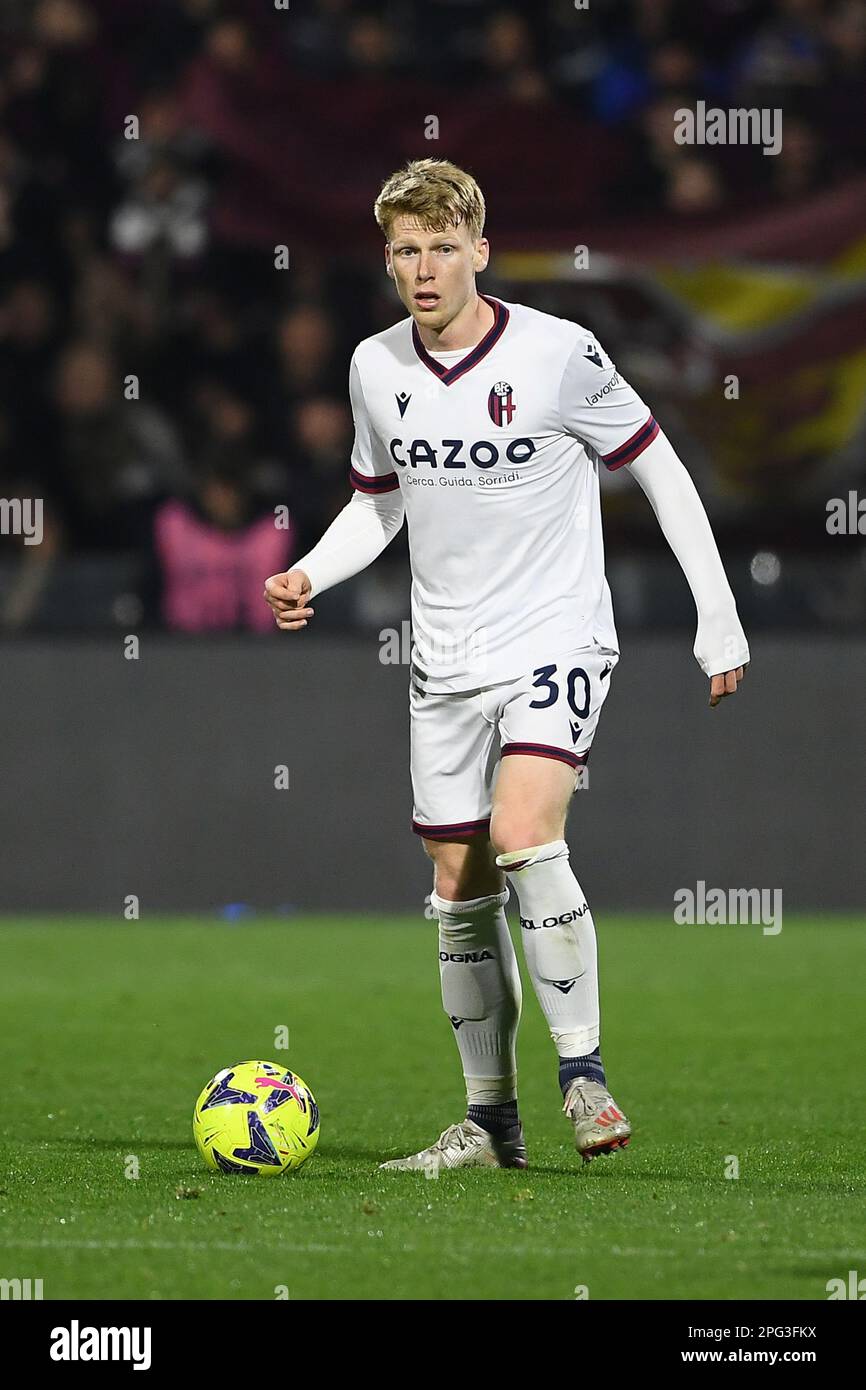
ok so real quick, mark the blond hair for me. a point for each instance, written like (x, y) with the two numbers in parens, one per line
(436, 193)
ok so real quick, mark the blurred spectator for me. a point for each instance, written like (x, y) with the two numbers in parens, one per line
(63, 85)
(165, 208)
(371, 46)
(319, 456)
(305, 343)
(214, 552)
(317, 36)
(110, 306)
(229, 42)
(664, 174)
(161, 131)
(116, 457)
(212, 341)
(304, 364)
(27, 555)
(798, 169)
(508, 56)
(30, 335)
(842, 94)
(64, 23)
(222, 426)
(787, 52)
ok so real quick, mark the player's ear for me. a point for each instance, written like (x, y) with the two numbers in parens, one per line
(389, 269)
(482, 253)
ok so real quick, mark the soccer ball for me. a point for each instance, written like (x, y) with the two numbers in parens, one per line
(256, 1118)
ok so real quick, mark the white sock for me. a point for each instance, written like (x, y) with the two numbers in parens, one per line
(481, 993)
(559, 944)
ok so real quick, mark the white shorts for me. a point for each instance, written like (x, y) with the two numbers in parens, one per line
(457, 740)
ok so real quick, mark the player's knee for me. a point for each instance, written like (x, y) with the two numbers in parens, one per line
(465, 886)
(463, 872)
(511, 834)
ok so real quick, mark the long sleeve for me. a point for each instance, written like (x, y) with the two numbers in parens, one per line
(354, 538)
(599, 407)
(372, 518)
(720, 644)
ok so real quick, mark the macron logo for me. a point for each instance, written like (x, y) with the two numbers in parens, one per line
(402, 401)
(77, 1343)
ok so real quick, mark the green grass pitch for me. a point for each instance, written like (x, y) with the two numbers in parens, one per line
(718, 1041)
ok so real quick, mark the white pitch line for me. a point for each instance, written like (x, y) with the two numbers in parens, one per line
(234, 1247)
(456, 1252)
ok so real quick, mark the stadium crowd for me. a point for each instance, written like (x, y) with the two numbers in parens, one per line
(162, 386)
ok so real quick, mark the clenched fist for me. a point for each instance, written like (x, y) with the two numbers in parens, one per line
(288, 595)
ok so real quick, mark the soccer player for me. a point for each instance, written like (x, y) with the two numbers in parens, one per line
(485, 424)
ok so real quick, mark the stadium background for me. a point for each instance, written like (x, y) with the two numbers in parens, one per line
(154, 258)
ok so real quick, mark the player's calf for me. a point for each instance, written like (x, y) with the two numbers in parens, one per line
(481, 996)
(559, 944)
(558, 953)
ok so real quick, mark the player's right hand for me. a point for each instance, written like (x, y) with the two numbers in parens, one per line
(289, 595)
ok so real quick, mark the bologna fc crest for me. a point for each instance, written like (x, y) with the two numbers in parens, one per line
(500, 404)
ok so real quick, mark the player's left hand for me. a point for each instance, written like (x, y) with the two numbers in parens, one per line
(726, 684)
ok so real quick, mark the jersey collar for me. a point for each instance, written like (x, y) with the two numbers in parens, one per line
(448, 375)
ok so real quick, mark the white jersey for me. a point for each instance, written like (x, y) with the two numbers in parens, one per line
(496, 451)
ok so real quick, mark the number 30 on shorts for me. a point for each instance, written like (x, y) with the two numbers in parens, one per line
(543, 678)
